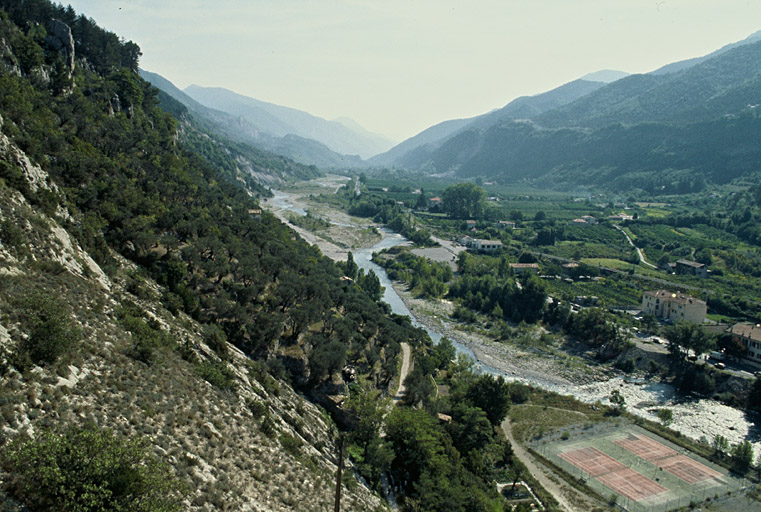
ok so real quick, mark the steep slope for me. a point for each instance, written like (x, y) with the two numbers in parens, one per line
(435, 133)
(155, 324)
(529, 107)
(239, 130)
(237, 439)
(279, 121)
(653, 157)
(145, 297)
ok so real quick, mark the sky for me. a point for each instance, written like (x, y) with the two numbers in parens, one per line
(400, 66)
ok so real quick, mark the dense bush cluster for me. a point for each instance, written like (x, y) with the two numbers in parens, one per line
(89, 470)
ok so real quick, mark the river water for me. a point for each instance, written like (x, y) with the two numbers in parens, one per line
(694, 418)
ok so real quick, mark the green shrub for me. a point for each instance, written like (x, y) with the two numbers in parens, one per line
(89, 469)
(257, 408)
(216, 339)
(290, 444)
(217, 374)
(147, 335)
(12, 236)
(625, 365)
(50, 331)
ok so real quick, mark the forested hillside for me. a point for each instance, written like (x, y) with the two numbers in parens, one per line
(160, 330)
(659, 133)
(238, 131)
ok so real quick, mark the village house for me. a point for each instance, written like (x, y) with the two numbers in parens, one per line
(470, 225)
(621, 217)
(256, 213)
(691, 268)
(434, 201)
(674, 306)
(750, 336)
(589, 219)
(486, 245)
(505, 224)
(525, 267)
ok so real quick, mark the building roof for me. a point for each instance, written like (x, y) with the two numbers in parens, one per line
(746, 330)
(693, 264)
(677, 297)
(524, 265)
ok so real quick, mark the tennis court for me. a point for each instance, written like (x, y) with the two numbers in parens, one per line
(645, 472)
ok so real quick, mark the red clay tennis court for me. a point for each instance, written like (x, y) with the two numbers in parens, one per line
(646, 448)
(593, 461)
(612, 473)
(689, 470)
(631, 484)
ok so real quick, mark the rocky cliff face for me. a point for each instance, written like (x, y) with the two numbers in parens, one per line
(255, 445)
(59, 39)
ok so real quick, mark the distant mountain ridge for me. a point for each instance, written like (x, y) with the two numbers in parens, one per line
(280, 121)
(674, 97)
(605, 75)
(693, 125)
(414, 150)
(239, 129)
(684, 64)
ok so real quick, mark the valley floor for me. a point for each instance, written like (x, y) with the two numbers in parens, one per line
(352, 233)
(561, 369)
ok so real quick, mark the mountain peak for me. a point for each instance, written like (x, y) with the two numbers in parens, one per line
(605, 75)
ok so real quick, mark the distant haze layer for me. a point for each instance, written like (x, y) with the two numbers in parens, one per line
(398, 67)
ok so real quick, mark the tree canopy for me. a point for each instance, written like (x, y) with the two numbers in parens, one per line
(90, 469)
(464, 201)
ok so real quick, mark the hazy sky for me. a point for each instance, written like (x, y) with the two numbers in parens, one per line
(399, 66)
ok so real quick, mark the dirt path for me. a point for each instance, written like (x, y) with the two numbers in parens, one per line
(547, 479)
(406, 362)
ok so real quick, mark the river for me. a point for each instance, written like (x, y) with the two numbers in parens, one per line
(694, 418)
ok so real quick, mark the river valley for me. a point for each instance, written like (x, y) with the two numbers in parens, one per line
(695, 418)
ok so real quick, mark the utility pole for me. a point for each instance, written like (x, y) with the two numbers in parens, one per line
(337, 507)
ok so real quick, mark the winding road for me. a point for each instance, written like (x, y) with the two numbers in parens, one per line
(639, 251)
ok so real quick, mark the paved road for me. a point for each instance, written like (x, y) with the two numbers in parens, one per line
(639, 251)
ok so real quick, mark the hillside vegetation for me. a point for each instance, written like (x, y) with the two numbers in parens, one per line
(164, 342)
